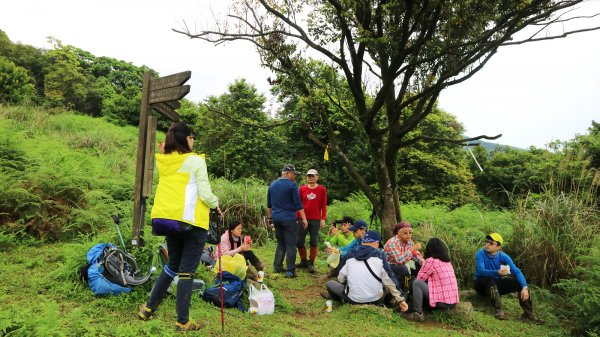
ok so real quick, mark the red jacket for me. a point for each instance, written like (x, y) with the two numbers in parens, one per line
(314, 201)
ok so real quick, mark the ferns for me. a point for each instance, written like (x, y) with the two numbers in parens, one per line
(62, 175)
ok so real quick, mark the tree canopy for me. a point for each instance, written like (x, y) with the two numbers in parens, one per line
(396, 57)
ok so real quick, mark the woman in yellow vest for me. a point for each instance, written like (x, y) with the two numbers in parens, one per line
(183, 201)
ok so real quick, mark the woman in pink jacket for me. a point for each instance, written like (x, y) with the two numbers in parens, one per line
(232, 242)
(436, 281)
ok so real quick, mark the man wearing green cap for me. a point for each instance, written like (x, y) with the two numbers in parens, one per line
(493, 270)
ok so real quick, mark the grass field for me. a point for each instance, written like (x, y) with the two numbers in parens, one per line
(42, 296)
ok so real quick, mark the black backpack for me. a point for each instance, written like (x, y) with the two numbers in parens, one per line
(120, 267)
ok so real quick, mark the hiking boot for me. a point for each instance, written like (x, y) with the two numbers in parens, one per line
(532, 319)
(189, 326)
(500, 315)
(302, 264)
(326, 295)
(417, 317)
(290, 274)
(145, 313)
(251, 275)
(310, 266)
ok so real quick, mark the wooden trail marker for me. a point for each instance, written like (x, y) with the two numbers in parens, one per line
(162, 95)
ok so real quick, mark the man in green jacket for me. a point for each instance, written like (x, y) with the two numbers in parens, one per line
(342, 236)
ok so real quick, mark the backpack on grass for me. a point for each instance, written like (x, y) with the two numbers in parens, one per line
(112, 271)
(233, 290)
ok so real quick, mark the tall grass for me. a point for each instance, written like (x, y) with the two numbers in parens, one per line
(554, 229)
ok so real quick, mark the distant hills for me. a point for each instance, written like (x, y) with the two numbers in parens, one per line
(489, 146)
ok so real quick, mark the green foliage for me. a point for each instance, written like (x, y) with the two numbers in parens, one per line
(65, 85)
(583, 295)
(244, 200)
(236, 146)
(551, 232)
(436, 171)
(14, 83)
(62, 175)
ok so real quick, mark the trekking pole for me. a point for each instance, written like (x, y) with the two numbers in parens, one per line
(219, 224)
(117, 221)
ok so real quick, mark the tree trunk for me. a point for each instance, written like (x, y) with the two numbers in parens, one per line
(389, 210)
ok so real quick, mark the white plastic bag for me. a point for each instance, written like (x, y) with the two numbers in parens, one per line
(262, 301)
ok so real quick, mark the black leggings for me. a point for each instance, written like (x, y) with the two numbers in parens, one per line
(252, 258)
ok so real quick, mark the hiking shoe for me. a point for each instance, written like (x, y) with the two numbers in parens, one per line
(532, 319)
(310, 266)
(145, 313)
(303, 264)
(290, 274)
(417, 317)
(189, 326)
(326, 295)
(500, 315)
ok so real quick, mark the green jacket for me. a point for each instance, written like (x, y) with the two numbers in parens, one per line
(340, 240)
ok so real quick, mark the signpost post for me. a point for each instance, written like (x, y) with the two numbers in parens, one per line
(162, 95)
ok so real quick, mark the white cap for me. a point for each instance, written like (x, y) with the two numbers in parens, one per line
(312, 171)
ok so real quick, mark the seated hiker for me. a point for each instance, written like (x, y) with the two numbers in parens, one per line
(496, 274)
(435, 282)
(343, 236)
(359, 228)
(366, 277)
(403, 253)
(232, 243)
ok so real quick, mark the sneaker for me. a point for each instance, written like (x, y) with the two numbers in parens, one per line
(311, 267)
(189, 326)
(326, 295)
(290, 274)
(532, 319)
(145, 313)
(417, 317)
(500, 315)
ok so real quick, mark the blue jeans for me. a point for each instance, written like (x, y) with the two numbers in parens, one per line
(185, 250)
(286, 233)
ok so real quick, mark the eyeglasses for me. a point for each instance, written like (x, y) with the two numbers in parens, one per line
(310, 175)
(490, 242)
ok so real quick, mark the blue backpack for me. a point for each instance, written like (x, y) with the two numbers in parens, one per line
(111, 271)
(233, 290)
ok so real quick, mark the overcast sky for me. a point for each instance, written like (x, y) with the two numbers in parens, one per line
(532, 93)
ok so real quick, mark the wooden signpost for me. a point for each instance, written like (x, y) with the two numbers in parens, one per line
(162, 95)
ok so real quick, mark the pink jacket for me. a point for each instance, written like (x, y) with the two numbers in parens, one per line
(441, 281)
(226, 248)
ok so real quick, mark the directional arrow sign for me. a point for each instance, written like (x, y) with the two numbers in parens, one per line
(168, 94)
(170, 81)
(173, 104)
(166, 111)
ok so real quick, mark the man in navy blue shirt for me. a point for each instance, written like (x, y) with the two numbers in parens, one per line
(283, 201)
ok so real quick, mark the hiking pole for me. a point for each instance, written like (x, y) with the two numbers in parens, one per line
(219, 224)
(117, 221)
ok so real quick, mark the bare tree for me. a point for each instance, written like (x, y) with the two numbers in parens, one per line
(395, 55)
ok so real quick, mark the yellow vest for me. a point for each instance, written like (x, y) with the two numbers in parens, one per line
(182, 187)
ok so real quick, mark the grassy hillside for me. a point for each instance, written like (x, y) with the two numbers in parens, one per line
(62, 175)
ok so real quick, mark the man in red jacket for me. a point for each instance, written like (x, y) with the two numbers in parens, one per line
(314, 200)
